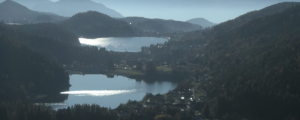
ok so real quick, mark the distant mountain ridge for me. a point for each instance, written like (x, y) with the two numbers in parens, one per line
(160, 25)
(95, 24)
(15, 12)
(69, 8)
(30, 3)
(202, 22)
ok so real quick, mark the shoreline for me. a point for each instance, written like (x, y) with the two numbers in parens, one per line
(137, 77)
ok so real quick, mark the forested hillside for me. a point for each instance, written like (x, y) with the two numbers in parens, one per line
(95, 24)
(49, 30)
(256, 68)
(24, 74)
(54, 50)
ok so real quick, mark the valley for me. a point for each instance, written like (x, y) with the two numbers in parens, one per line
(106, 66)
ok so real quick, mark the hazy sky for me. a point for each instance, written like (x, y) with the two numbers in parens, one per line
(213, 10)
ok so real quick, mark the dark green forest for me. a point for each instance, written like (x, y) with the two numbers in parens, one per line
(49, 30)
(25, 74)
(54, 48)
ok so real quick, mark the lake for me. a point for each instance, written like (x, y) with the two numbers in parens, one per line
(122, 44)
(110, 92)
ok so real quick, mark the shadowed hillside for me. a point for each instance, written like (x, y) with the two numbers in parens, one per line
(54, 49)
(256, 68)
(49, 30)
(25, 74)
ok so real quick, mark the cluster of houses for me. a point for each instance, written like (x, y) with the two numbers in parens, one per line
(183, 102)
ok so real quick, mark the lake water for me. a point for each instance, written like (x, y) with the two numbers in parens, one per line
(122, 44)
(110, 92)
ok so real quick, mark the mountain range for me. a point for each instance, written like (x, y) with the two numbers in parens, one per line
(249, 67)
(30, 3)
(11, 11)
(69, 8)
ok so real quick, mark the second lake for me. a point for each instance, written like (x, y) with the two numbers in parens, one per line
(110, 92)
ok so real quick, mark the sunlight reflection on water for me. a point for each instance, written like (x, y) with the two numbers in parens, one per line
(109, 92)
(99, 93)
(95, 42)
(122, 44)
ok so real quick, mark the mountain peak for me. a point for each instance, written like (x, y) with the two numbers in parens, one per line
(11, 11)
(69, 8)
(12, 5)
(201, 21)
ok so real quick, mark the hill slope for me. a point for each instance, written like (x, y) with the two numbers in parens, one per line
(205, 36)
(26, 73)
(14, 12)
(231, 24)
(69, 8)
(256, 68)
(202, 22)
(54, 49)
(95, 24)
